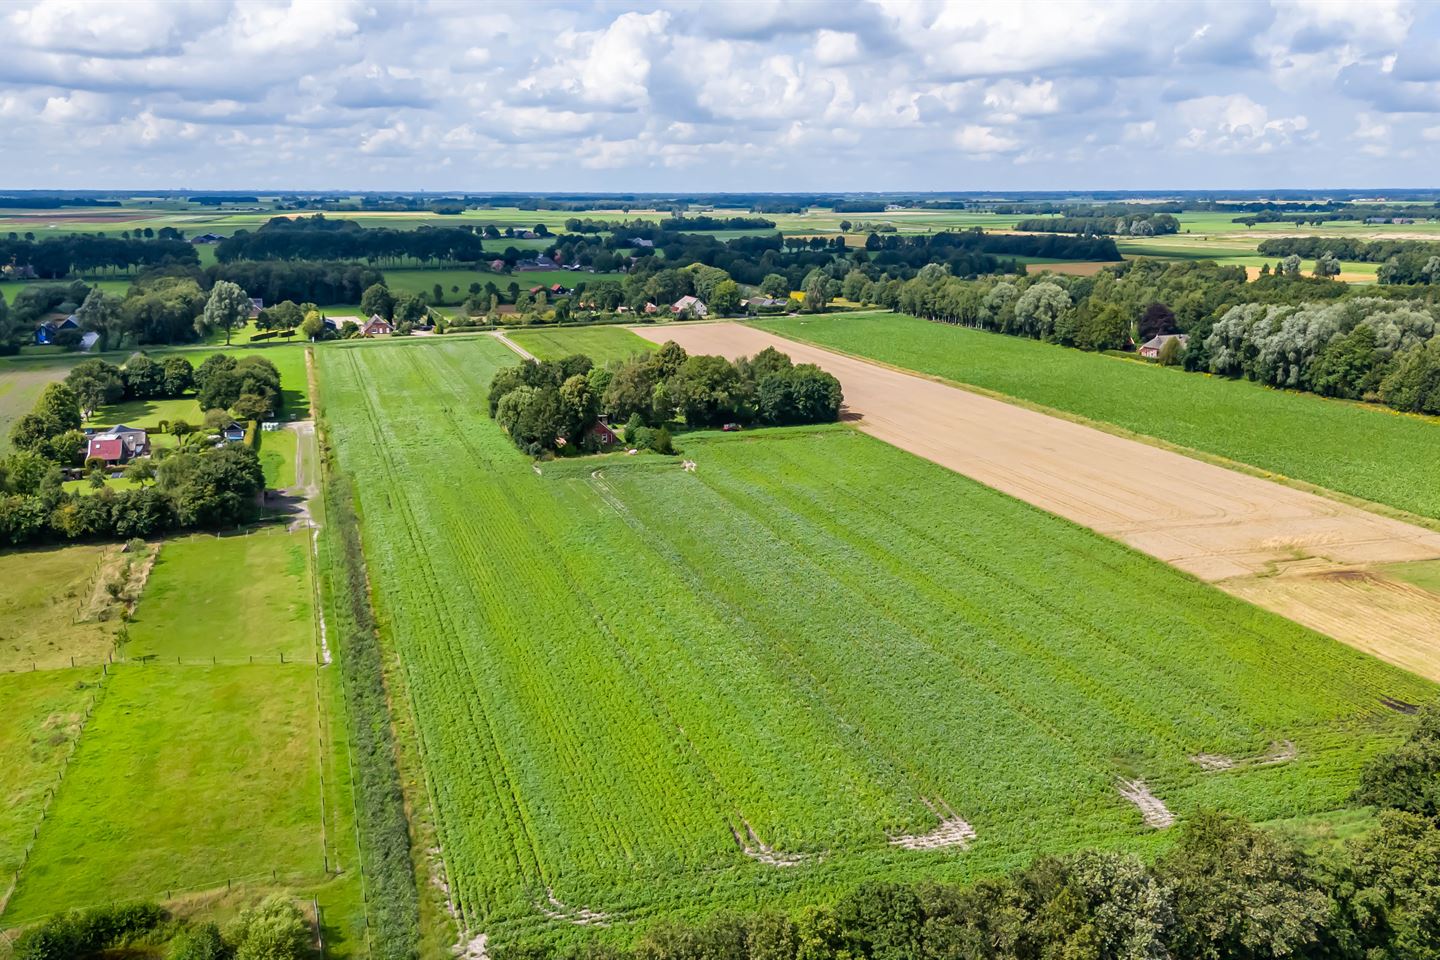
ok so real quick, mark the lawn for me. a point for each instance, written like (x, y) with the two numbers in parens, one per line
(277, 457)
(185, 777)
(55, 606)
(601, 344)
(638, 686)
(1365, 451)
(43, 715)
(230, 598)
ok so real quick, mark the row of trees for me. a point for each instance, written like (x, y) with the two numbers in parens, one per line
(1131, 225)
(1223, 890)
(1283, 329)
(318, 238)
(550, 404)
(1401, 261)
(80, 253)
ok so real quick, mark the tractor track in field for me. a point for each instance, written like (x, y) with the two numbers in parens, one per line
(1287, 550)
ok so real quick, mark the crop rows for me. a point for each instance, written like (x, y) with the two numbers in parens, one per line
(618, 667)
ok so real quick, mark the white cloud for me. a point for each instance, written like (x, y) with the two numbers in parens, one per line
(983, 140)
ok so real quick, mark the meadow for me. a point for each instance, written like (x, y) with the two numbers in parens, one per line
(600, 343)
(1364, 451)
(662, 692)
(55, 606)
(232, 598)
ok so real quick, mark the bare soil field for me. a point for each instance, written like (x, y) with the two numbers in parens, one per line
(1307, 557)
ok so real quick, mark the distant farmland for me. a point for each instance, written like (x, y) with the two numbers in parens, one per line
(598, 343)
(1367, 452)
(642, 691)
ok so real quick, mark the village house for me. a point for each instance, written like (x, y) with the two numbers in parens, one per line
(256, 305)
(1151, 348)
(764, 302)
(376, 326)
(206, 238)
(497, 266)
(651, 308)
(118, 444)
(233, 432)
(642, 242)
(690, 307)
(50, 329)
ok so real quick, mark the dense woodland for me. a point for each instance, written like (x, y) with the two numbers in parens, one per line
(319, 238)
(1133, 225)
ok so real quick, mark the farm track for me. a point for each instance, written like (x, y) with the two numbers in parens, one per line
(1222, 526)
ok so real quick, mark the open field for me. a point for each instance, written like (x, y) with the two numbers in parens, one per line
(20, 385)
(43, 715)
(838, 659)
(277, 457)
(184, 777)
(600, 344)
(55, 606)
(1365, 451)
(1215, 523)
(231, 598)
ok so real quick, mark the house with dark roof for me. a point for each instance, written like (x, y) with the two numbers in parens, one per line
(1151, 348)
(50, 329)
(233, 432)
(206, 238)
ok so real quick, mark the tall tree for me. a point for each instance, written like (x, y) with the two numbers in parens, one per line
(227, 309)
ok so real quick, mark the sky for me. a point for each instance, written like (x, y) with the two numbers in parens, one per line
(750, 95)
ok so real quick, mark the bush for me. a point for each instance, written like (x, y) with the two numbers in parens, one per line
(201, 942)
(274, 930)
(1407, 778)
(79, 933)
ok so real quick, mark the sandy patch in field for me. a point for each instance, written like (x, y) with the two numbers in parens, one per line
(1152, 809)
(1077, 268)
(1217, 524)
(1345, 276)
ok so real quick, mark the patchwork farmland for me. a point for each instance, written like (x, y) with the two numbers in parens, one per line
(843, 662)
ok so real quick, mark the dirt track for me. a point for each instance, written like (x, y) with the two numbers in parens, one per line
(1271, 544)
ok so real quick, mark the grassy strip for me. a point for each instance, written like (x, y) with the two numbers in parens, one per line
(392, 901)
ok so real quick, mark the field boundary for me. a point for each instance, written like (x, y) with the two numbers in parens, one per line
(1382, 509)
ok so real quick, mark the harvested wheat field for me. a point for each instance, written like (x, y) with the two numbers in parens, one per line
(1223, 526)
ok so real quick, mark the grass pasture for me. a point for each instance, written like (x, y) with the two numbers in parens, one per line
(277, 458)
(1365, 451)
(600, 343)
(185, 777)
(814, 642)
(55, 606)
(230, 598)
(44, 712)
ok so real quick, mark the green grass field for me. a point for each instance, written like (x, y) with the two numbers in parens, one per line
(601, 344)
(277, 457)
(625, 674)
(43, 715)
(231, 598)
(1365, 451)
(184, 777)
(55, 606)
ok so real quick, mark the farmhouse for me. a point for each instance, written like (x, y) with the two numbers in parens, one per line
(642, 242)
(497, 265)
(690, 307)
(376, 326)
(118, 444)
(233, 432)
(256, 305)
(764, 302)
(651, 308)
(206, 238)
(1151, 348)
(602, 433)
(50, 329)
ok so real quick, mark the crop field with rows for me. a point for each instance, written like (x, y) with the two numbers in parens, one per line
(1366, 451)
(646, 691)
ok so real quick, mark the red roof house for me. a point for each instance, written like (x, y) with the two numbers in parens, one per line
(109, 449)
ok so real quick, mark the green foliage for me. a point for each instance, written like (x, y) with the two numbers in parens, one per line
(82, 933)
(199, 942)
(273, 930)
(1407, 778)
(227, 309)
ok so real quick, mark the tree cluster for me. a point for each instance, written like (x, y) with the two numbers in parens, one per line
(549, 404)
(298, 280)
(79, 253)
(273, 929)
(98, 382)
(1147, 224)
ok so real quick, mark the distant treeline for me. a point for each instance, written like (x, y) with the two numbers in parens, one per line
(316, 238)
(1146, 224)
(56, 257)
(303, 281)
(1401, 261)
(646, 228)
(1060, 247)
(215, 200)
(53, 203)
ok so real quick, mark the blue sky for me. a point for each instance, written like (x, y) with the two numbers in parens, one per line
(751, 95)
